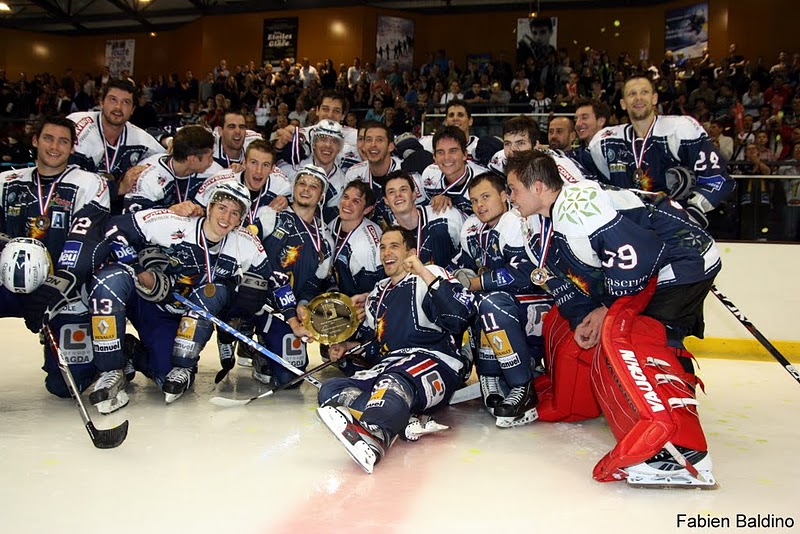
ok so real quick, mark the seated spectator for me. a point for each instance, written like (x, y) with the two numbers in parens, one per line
(476, 94)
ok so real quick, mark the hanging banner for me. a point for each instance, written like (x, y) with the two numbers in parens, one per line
(536, 38)
(394, 42)
(687, 30)
(280, 40)
(119, 56)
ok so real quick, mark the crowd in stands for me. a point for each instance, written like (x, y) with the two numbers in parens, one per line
(742, 102)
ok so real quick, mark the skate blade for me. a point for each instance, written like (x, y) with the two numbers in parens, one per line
(679, 484)
(336, 422)
(509, 422)
(112, 405)
(169, 398)
(244, 362)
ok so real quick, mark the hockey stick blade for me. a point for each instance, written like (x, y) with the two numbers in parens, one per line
(108, 439)
(102, 439)
(472, 391)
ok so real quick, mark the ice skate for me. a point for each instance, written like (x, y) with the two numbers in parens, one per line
(261, 369)
(109, 393)
(177, 382)
(244, 355)
(132, 347)
(664, 471)
(420, 425)
(491, 392)
(518, 408)
(364, 445)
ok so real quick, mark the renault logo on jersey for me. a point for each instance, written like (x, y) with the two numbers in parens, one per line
(104, 328)
(501, 346)
(187, 327)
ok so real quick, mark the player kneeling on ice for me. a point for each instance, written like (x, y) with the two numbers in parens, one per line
(158, 253)
(629, 279)
(415, 317)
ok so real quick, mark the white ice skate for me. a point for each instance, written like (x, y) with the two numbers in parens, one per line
(108, 394)
(664, 470)
(363, 446)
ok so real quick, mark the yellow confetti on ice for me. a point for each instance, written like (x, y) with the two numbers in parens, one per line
(765, 481)
(474, 451)
(51, 461)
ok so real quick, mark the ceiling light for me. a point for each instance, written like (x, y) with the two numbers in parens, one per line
(4, 7)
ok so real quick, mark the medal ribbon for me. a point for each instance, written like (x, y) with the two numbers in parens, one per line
(109, 162)
(484, 244)
(545, 237)
(316, 242)
(423, 220)
(177, 185)
(207, 256)
(451, 186)
(43, 206)
(638, 159)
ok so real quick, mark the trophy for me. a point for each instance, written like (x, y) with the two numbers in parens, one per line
(332, 318)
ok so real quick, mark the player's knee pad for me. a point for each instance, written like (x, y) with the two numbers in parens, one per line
(389, 404)
(340, 391)
(503, 337)
(73, 335)
(565, 392)
(282, 341)
(647, 397)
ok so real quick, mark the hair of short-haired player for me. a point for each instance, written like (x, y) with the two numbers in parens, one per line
(535, 166)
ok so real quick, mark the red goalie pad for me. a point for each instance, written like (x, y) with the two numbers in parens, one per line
(646, 396)
(565, 392)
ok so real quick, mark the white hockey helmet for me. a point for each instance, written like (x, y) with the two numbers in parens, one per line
(327, 128)
(232, 190)
(25, 264)
(315, 172)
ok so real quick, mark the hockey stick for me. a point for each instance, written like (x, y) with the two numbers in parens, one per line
(756, 334)
(472, 391)
(228, 403)
(102, 439)
(244, 339)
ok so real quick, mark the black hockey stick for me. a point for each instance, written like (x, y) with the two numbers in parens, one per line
(102, 439)
(756, 334)
(227, 403)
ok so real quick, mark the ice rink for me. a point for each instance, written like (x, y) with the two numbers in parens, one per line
(272, 467)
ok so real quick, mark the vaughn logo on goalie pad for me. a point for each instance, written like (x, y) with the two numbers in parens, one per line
(638, 376)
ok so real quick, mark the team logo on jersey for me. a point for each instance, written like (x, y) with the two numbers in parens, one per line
(380, 328)
(58, 220)
(291, 256)
(11, 196)
(578, 203)
(177, 234)
(579, 282)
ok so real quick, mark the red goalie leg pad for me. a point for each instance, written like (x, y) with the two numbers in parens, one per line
(645, 394)
(565, 392)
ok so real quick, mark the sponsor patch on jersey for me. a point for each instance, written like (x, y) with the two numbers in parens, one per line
(434, 388)
(294, 350)
(425, 365)
(500, 344)
(107, 346)
(375, 238)
(69, 254)
(75, 343)
(187, 327)
(617, 167)
(507, 362)
(465, 297)
(376, 399)
(104, 328)
(502, 277)
(123, 253)
(285, 297)
(13, 210)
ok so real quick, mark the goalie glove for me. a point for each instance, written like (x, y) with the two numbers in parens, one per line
(58, 290)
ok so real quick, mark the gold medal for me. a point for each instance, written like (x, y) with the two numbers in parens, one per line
(209, 290)
(638, 174)
(253, 229)
(539, 276)
(42, 222)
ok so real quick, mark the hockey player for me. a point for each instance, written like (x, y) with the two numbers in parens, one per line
(456, 114)
(493, 264)
(199, 257)
(268, 186)
(437, 233)
(301, 246)
(108, 143)
(414, 316)
(294, 143)
(326, 143)
(173, 180)
(231, 140)
(378, 148)
(661, 153)
(64, 209)
(446, 181)
(596, 251)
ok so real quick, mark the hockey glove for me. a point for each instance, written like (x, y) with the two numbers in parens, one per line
(250, 296)
(58, 290)
(680, 182)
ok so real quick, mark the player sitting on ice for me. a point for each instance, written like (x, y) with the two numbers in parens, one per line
(611, 341)
(414, 316)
